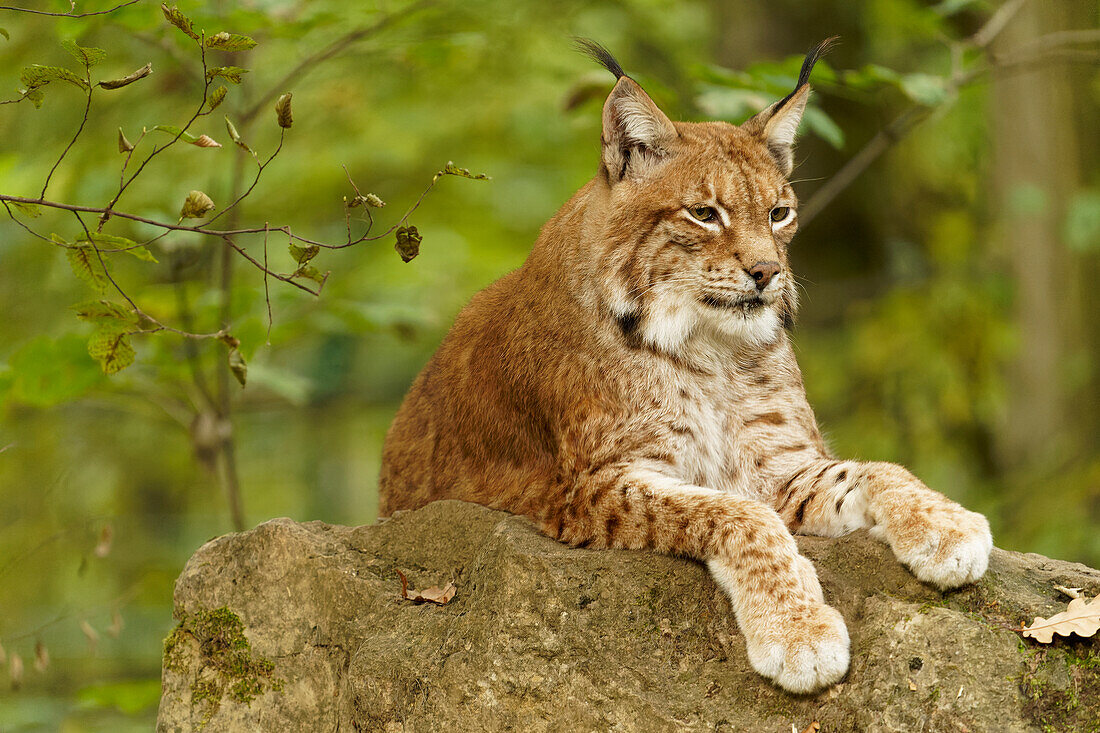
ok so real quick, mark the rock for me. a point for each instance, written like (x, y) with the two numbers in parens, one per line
(302, 627)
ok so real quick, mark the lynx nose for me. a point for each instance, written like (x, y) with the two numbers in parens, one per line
(763, 272)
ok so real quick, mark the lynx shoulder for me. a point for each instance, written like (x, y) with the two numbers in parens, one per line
(632, 386)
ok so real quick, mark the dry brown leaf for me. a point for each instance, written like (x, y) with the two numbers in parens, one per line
(1071, 592)
(103, 547)
(813, 727)
(912, 685)
(41, 657)
(435, 595)
(1082, 617)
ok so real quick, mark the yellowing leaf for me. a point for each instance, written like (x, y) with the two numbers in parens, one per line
(178, 19)
(453, 170)
(217, 96)
(196, 206)
(124, 145)
(230, 42)
(283, 114)
(35, 76)
(87, 266)
(1081, 617)
(87, 56)
(238, 366)
(129, 79)
(231, 74)
(112, 349)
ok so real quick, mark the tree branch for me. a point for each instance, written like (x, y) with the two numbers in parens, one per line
(306, 64)
(69, 14)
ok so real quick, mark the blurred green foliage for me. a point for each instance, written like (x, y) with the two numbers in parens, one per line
(910, 334)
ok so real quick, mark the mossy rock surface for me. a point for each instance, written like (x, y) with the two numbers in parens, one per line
(541, 637)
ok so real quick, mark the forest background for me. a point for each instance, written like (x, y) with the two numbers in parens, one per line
(948, 254)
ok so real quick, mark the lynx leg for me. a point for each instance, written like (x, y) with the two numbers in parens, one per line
(940, 541)
(791, 635)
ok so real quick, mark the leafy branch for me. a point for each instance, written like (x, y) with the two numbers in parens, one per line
(90, 252)
(1058, 46)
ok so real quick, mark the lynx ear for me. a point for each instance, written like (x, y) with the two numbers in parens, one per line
(778, 124)
(636, 134)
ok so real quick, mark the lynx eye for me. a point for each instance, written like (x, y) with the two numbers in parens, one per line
(781, 214)
(703, 212)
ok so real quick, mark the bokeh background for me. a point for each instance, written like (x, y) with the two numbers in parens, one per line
(949, 319)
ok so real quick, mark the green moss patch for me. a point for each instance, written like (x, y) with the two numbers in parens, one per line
(226, 662)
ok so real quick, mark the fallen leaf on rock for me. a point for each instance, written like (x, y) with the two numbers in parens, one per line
(1082, 617)
(1071, 592)
(435, 595)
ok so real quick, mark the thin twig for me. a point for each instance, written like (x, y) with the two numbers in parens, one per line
(157, 150)
(267, 293)
(83, 122)
(1053, 47)
(70, 14)
(256, 180)
(307, 64)
(996, 23)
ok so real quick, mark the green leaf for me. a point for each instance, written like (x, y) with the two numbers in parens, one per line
(230, 42)
(312, 273)
(4, 33)
(927, 89)
(238, 366)
(32, 210)
(111, 348)
(129, 79)
(453, 170)
(128, 246)
(373, 201)
(196, 205)
(87, 266)
(35, 76)
(823, 126)
(283, 113)
(36, 95)
(236, 136)
(106, 313)
(217, 96)
(302, 255)
(229, 73)
(408, 243)
(88, 57)
(178, 19)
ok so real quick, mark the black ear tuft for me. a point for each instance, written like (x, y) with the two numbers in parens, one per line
(600, 55)
(812, 58)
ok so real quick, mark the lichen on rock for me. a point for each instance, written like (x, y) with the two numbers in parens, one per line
(542, 637)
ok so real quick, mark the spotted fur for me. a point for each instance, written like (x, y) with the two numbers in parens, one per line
(633, 386)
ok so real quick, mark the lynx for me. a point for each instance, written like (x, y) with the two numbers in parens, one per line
(632, 385)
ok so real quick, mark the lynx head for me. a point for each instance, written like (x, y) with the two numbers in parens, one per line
(696, 217)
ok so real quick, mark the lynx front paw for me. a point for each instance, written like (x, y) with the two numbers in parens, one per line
(803, 650)
(945, 547)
